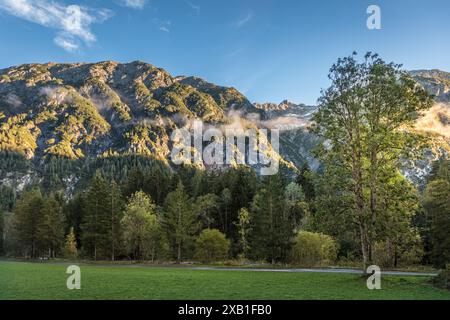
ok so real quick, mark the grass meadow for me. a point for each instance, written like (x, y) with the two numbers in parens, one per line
(26, 280)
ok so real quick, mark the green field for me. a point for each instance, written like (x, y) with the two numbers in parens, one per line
(19, 280)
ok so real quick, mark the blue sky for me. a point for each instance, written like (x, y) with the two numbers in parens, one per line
(268, 49)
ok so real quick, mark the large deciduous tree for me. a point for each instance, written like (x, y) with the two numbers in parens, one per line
(142, 232)
(365, 118)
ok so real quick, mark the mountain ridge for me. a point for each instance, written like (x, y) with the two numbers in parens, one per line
(78, 110)
(66, 107)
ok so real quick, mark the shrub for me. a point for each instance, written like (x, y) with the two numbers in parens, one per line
(211, 245)
(442, 280)
(387, 254)
(311, 249)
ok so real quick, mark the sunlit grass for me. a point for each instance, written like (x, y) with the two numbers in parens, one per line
(48, 281)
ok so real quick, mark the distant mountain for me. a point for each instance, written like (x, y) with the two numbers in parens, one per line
(91, 110)
(297, 143)
(437, 120)
(81, 110)
(287, 115)
(88, 111)
(293, 121)
(437, 82)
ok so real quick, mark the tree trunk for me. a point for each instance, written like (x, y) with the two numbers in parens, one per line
(179, 253)
(112, 228)
(360, 209)
(364, 247)
(373, 195)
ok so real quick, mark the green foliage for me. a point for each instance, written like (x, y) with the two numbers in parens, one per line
(313, 249)
(26, 222)
(443, 279)
(305, 179)
(224, 97)
(2, 233)
(115, 208)
(145, 139)
(272, 232)
(5, 78)
(38, 225)
(244, 227)
(206, 207)
(179, 220)
(13, 162)
(18, 134)
(142, 232)
(106, 97)
(399, 242)
(95, 227)
(388, 254)
(367, 117)
(145, 97)
(296, 205)
(153, 178)
(79, 126)
(70, 247)
(437, 206)
(211, 246)
(50, 230)
(358, 196)
(7, 198)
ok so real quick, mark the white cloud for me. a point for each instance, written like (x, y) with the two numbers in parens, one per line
(67, 43)
(135, 4)
(13, 100)
(164, 29)
(194, 7)
(163, 25)
(72, 22)
(240, 23)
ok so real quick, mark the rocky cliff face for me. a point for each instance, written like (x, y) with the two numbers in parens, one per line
(293, 121)
(81, 110)
(297, 143)
(437, 82)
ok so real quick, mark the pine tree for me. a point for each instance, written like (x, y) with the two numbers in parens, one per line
(206, 207)
(96, 226)
(437, 206)
(134, 182)
(115, 216)
(243, 230)
(296, 206)
(271, 233)
(51, 226)
(27, 219)
(74, 212)
(226, 199)
(70, 248)
(305, 180)
(179, 220)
